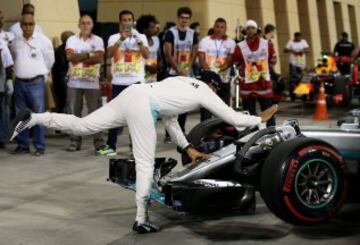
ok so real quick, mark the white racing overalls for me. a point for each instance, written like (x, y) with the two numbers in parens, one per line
(138, 107)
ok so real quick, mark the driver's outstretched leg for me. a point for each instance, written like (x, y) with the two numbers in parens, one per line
(142, 129)
(108, 116)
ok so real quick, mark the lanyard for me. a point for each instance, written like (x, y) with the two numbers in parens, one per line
(218, 49)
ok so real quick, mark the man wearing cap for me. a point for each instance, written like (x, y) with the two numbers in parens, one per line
(255, 55)
(138, 107)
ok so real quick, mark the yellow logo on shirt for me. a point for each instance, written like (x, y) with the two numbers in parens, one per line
(84, 72)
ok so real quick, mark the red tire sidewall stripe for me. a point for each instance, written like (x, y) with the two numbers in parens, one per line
(288, 183)
(297, 214)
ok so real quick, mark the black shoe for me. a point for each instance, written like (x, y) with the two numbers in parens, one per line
(19, 123)
(2, 146)
(145, 228)
(21, 150)
(167, 140)
(39, 153)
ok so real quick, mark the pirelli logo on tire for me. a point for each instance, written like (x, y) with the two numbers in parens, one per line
(294, 164)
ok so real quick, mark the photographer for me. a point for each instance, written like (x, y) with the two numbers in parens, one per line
(128, 50)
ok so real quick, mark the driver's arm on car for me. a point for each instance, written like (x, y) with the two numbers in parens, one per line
(210, 101)
(177, 136)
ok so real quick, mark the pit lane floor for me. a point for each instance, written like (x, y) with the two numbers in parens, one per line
(64, 198)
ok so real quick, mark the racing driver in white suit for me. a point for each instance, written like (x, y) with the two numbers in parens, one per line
(139, 107)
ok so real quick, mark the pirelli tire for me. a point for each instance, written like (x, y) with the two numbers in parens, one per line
(303, 181)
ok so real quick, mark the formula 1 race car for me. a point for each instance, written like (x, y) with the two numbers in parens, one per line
(302, 179)
(338, 87)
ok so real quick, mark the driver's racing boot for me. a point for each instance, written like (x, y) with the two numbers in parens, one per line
(147, 227)
(20, 123)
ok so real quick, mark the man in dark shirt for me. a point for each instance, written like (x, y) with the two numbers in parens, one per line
(343, 49)
(162, 72)
(180, 48)
(59, 73)
(180, 44)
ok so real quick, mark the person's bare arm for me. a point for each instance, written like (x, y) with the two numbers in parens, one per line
(228, 62)
(76, 58)
(110, 51)
(95, 58)
(193, 55)
(355, 52)
(145, 52)
(306, 50)
(288, 50)
(202, 61)
(169, 57)
(86, 58)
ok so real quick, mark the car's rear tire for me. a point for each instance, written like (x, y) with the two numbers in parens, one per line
(303, 181)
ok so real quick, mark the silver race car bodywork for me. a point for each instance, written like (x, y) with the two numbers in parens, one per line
(301, 174)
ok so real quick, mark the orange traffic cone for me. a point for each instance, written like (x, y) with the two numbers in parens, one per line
(321, 110)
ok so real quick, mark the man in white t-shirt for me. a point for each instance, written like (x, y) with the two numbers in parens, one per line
(297, 49)
(16, 30)
(128, 51)
(6, 87)
(85, 53)
(214, 51)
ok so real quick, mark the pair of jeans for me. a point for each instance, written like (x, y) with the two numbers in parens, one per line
(113, 133)
(31, 95)
(265, 103)
(75, 106)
